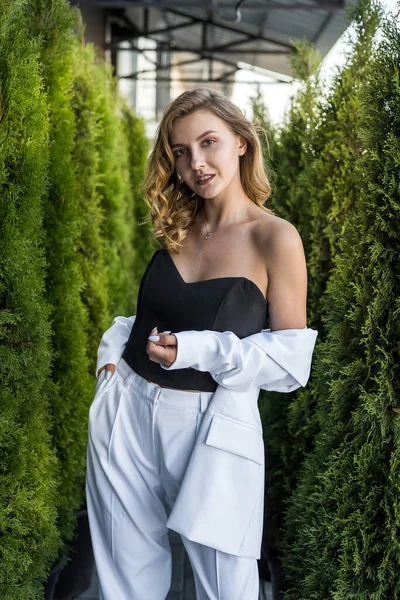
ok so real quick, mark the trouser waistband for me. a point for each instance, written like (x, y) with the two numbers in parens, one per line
(153, 392)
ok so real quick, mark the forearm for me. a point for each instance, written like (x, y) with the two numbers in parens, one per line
(274, 361)
(113, 341)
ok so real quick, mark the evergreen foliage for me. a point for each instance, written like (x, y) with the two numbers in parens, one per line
(138, 152)
(28, 473)
(86, 155)
(344, 516)
(332, 185)
(53, 21)
(117, 199)
(316, 153)
(294, 150)
(69, 169)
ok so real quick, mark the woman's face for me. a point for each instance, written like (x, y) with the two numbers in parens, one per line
(203, 144)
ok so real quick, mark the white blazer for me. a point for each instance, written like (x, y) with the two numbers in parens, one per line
(221, 500)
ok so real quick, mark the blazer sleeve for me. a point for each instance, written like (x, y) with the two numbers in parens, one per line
(277, 360)
(113, 341)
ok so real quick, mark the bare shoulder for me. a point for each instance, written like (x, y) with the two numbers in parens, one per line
(275, 236)
(283, 237)
(283, 253)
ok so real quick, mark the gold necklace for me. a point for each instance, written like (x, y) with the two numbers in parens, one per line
(208, 234)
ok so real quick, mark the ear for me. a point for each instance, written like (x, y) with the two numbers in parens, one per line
(242, 146)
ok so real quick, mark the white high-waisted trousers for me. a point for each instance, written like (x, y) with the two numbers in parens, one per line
(140, 439)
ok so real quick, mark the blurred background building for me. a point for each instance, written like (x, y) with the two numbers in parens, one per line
(160, 48)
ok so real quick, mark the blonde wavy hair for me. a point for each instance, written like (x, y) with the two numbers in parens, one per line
(172, 204)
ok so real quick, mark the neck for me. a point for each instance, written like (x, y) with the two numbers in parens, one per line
(216, 212)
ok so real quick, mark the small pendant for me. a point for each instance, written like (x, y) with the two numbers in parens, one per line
(206, 237)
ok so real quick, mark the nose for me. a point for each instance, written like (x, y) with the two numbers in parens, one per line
(197, 160)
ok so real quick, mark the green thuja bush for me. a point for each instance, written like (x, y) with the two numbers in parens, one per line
(117, 195)
(29, 538)
(69, 175)
(53, 21)
(331, 181)
(268, 135)
(331, 184)
(86, 155)
(316, 154)
(138, 146)
(294, 148)
(343, 523)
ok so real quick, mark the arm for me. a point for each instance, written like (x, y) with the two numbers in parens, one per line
(276, 359)
(272, 360)
(113, 341)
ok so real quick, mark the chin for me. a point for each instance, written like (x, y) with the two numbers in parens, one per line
(208, 195)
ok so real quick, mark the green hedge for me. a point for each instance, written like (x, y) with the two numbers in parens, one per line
(315, 150)
(86, 154)
(138, 153)
(53, 22)
(333, 488)
(69, 196)
(29, 466)
(344, 515)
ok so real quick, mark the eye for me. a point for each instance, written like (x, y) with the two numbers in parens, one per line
(177, 151)
(182, 150)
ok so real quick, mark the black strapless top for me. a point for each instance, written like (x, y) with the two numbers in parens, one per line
(165, 300)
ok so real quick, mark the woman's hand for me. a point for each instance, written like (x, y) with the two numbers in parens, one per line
(162, 351)
(110, 368)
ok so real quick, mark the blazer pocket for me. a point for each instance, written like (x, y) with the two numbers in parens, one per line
(237, 437)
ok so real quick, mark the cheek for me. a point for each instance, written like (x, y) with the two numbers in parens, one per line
(226, 156)
(229, 163)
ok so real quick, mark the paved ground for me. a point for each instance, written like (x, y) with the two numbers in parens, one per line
(182, 587)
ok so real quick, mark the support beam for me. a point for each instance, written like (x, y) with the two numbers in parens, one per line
(217, 80)
(326, 5)
(238, 30)
(208, 53)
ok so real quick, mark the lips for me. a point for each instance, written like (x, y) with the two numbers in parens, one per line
(209, 176)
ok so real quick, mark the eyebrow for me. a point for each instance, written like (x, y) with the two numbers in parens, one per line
(198, 138)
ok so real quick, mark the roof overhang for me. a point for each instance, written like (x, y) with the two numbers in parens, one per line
(208, 41)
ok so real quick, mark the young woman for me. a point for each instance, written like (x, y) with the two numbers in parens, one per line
(175, 437)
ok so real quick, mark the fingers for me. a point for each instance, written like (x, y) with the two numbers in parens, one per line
(166, 358)
(110, 370)
(163, 350)
(165, 339)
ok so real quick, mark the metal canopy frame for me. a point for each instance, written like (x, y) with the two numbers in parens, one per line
(131, 19)
(130, 32)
